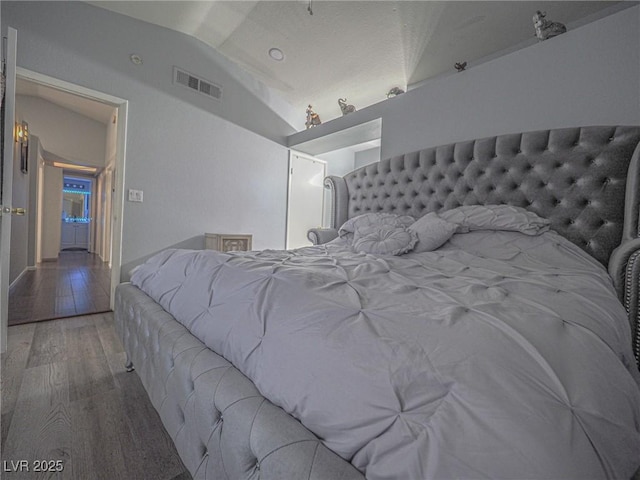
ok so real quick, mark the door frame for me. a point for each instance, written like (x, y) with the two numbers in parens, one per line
(117, 209)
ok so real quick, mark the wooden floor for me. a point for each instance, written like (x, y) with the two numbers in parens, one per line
(67, 397)
(77, 284)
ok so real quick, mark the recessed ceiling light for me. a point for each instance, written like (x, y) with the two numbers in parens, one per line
(136, 59)
(276, 54)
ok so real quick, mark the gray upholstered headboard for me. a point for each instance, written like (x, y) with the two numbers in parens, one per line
(575, 177)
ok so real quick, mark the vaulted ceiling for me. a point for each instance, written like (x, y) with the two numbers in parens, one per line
(356, 50)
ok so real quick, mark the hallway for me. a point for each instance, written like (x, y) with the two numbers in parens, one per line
(77, 284)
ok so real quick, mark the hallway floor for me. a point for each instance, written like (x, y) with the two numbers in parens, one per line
(77, 284)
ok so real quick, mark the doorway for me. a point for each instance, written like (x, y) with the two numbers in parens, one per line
(305, 207)
(77, 215)
(77, 229)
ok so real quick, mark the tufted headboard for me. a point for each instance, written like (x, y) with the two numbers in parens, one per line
(586, 181)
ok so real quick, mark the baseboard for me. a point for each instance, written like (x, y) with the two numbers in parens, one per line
(17, 279)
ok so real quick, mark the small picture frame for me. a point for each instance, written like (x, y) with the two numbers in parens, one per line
(228, 242)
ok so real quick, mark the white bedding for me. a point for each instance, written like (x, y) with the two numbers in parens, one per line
(500, 355)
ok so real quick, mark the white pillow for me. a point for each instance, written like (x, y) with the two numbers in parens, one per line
(496, 217)
(432, 232)
(384, 240)
(371, 219)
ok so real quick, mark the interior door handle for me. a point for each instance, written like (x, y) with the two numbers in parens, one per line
(18, 211)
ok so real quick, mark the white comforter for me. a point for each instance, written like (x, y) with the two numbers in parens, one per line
(500, 355)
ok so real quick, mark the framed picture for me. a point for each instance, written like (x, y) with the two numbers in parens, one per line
(227, 242)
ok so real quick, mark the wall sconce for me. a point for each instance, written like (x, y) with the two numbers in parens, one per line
(25, 132)
(19, 133)
(22, 133)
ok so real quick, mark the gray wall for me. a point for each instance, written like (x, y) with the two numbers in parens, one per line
(366, 157)
(587, 76)
(199, 172)
(75, 34)
(64, 133)
(339, 163)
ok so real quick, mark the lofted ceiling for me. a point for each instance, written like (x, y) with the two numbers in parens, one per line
(95, 110)
(356, 50)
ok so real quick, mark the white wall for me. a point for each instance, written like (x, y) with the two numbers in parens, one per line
(105, 197)
(35, 154)
(587, 76)
(65, 133)
(51, 212)
(39, 205)
(199, 172)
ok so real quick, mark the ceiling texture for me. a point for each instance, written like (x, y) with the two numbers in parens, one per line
(357, 50)
(97, 111)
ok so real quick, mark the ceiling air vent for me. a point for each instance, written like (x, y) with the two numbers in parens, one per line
(197, 84)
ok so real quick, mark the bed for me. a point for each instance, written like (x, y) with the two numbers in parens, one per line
(471, 313)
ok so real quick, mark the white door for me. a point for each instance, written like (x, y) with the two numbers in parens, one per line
(306, 198)
(6, 208)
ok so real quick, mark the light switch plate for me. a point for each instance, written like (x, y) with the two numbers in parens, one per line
(135, 195)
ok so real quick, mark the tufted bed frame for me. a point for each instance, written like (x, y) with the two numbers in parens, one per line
(586, 181)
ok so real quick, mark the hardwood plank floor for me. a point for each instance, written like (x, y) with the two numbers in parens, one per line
(67, 397)
(78, 283)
